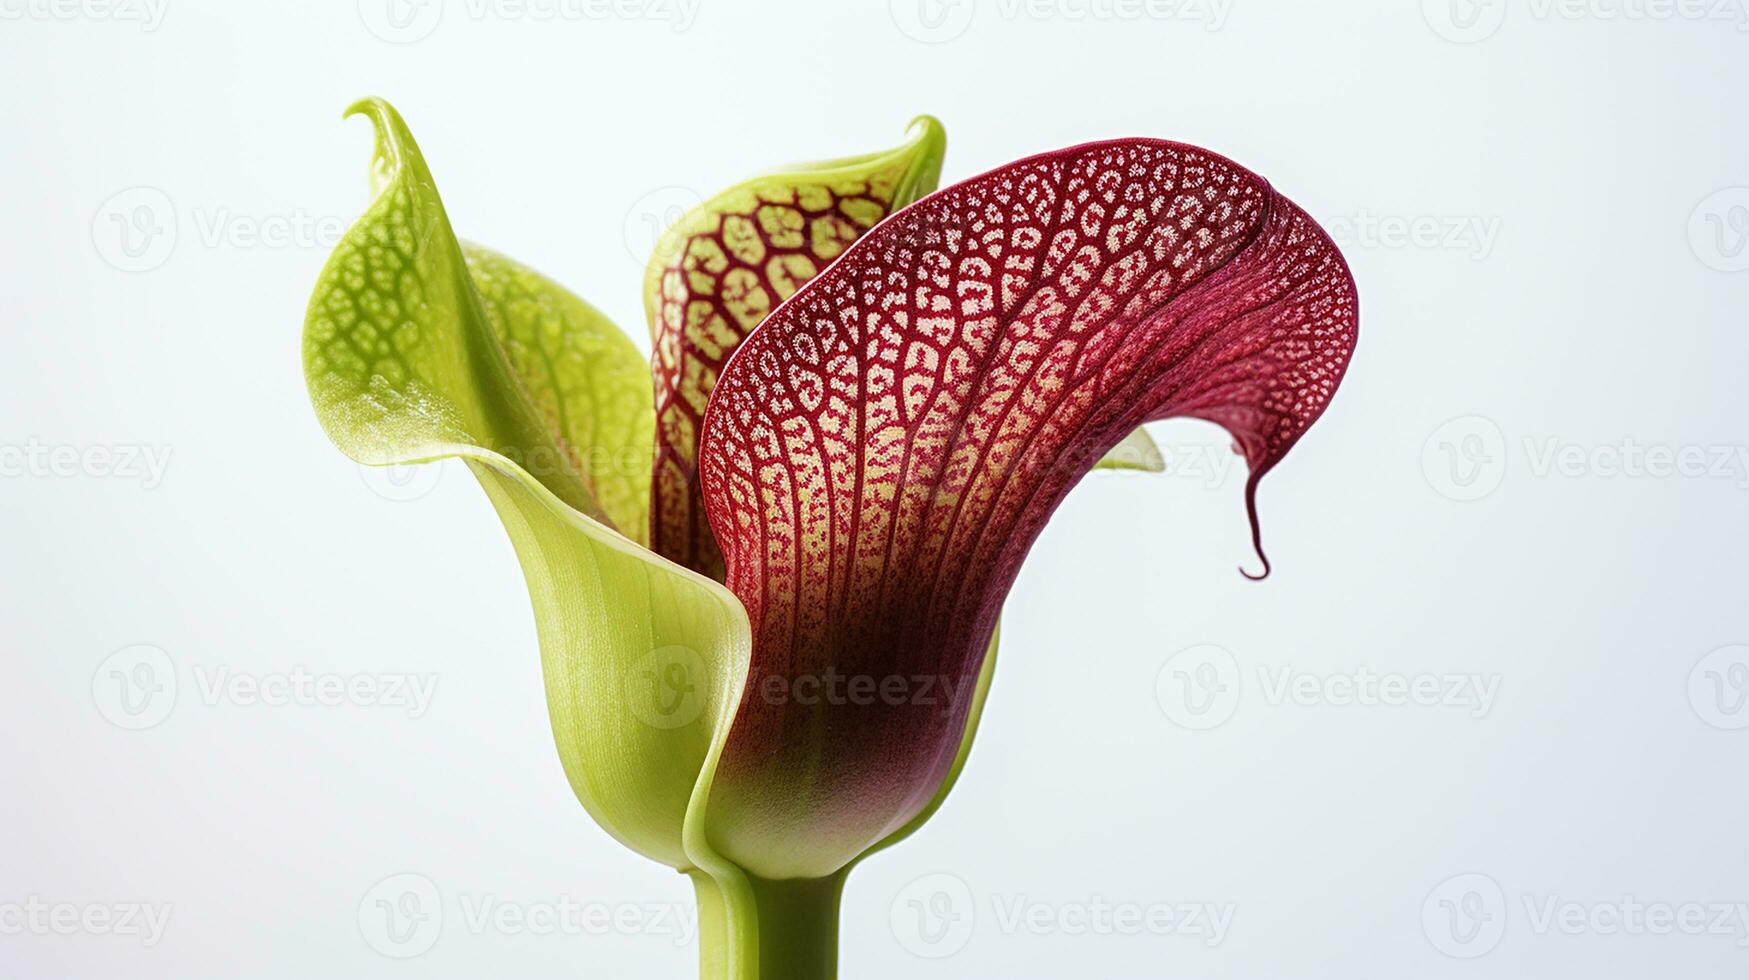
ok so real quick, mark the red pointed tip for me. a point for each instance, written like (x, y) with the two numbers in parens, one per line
(1256, 527)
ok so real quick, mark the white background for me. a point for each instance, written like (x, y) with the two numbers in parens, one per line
(1585, 306)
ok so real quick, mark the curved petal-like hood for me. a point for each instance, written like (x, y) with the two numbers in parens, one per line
(880, 454)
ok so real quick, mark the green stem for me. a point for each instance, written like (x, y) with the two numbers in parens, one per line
(775, 930)
(713, 928)
(798, 927)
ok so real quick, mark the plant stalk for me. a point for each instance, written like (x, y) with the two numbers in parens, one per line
(775, 930)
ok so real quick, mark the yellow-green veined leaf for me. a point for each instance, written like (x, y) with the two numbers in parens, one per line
(400, 357)
(644, 660)
(415, 344)
(589, 380)
(719, 269)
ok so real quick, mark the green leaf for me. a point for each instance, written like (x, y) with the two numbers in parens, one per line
(399, 354)
(1136, 452)
(644, 663)
(415, 349)
(590, 382)
(409, 358)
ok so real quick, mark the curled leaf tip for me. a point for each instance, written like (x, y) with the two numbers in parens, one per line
(391, 135)
(378, 110)
(927, 149)
(927, 131)
(1256, 527)
(367, 104)
(925, 121)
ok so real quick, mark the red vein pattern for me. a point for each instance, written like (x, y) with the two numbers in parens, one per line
(881, 453)
(749, 254)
